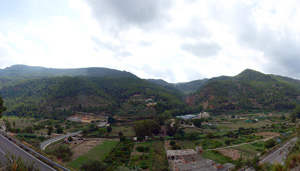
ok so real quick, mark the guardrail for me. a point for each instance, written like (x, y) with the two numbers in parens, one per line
(34, 152)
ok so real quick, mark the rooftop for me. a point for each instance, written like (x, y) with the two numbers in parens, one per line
(181, 152)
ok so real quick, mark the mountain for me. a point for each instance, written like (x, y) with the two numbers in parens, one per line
(185, 87)
(33, 71)
(62, 96)
(249, 90)
(16, 73)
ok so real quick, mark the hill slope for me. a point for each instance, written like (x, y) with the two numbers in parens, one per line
(62, 96)
(248, 90)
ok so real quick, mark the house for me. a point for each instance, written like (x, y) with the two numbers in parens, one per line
(177, 154)
(203, 115)
(192, 158)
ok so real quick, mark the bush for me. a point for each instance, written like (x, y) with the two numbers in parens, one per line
(144, 165)
(172, 143)
(140, 149)
(93, 165)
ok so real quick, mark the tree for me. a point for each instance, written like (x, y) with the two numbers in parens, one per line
(293, 117)
(17, 163)
(198, 122)
(7, 125)
(297, 111)
(109, 129)
(255, 163)
(110, 119)
(28, 129)
(162, 118)
(2, 107)
(120, 133)
(50, 129)
(59, 130)
(146, 128)
(70, 139)
(239, 163)
(270, 143)
(102, 131)
(63, 152)
(93, 165)
(227, 142)
(172, 142)
(192, 135)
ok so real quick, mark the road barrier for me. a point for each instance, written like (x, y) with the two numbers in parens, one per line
(33, 152)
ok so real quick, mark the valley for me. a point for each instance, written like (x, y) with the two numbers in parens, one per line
(123, 122)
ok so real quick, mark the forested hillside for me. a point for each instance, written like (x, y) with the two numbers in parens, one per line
(63, 96)
(17, 73)
(250, 90)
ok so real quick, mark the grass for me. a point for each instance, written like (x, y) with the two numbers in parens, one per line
(188, 130)
(216, 156)
(100, 152)
(127, 131)
(249, 148)
(146, 157)
(156, 157)
(187, 144)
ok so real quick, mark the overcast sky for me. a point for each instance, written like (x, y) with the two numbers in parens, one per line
(175, 40)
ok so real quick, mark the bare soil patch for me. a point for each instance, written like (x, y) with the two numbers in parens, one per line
(233, 153)
(267, 134)
(82, 147)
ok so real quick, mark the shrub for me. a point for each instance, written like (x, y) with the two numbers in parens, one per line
(144, 165)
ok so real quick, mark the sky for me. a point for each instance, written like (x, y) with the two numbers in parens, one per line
(174, 40)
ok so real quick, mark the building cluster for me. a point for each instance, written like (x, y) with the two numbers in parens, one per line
(100, 120)
(191, 160)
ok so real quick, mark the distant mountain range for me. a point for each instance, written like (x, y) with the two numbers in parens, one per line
(39, 91)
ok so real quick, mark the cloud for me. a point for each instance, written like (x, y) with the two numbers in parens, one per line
(202, 49)
(271, 31)
(124, 13)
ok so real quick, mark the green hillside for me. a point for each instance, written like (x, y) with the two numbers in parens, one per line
(63, 96)
(250, 90)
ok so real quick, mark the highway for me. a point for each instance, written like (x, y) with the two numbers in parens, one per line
(52, 140)
(7, 146)
(279, 155)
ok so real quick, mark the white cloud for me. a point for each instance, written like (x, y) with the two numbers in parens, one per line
(173, 40)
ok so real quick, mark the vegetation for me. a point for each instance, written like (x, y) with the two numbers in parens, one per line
(249, 90)
(63, 152)
(93, 165)
(99, 153)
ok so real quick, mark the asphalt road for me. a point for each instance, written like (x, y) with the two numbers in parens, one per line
(279, 155)
(7, 146)
(52, 140)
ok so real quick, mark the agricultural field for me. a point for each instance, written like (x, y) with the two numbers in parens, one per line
(149, 155)
(99, 152)
(126, 130)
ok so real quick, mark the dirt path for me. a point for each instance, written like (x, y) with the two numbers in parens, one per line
(239, 144)
(132, 153)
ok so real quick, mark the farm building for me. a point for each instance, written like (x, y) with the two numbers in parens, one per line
(177, 154)
(190, 160)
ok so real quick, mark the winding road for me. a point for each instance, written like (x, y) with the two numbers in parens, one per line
(52, 140)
